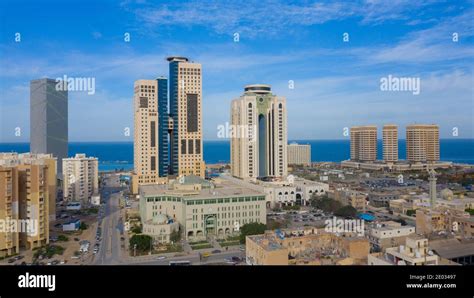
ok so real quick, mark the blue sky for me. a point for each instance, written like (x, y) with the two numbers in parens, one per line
(336, 83)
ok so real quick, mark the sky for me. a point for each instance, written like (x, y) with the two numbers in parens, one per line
(326, 57)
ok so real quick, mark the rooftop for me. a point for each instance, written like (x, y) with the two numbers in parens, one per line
(218, 188)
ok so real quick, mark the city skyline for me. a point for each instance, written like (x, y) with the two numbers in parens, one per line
(330, 77)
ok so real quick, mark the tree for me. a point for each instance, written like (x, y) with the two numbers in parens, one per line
(142, 242)
(346, 211)
(253, 228)
(136, 230)
(175, 236)
(326, 204)
(63, 238)
(83, 226)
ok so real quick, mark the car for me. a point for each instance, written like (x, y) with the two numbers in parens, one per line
(236, 259)
(76, 239)
(12, 260)
(216, 251)
(161, 258)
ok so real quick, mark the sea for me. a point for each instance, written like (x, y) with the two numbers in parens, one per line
(119, 155)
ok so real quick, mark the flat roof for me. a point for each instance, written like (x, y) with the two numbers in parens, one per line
(452, 248)
(222, 188)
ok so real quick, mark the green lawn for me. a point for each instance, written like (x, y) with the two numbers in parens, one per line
(201, 246)
(229, 243)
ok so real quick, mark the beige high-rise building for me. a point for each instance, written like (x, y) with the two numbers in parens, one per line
(24, 205)
(186, 154)
(9, 240)
(364, 143)
(259, 134)
(299, 154)
(34, 204)
(12, 159)
(81, 178)
(390, 143)
(145, 144)
(422, 142)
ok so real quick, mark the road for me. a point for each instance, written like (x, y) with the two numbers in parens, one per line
(110, 250)
(193, 258)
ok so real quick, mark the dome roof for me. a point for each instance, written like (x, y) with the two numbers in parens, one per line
(160, 219)
(447, 194)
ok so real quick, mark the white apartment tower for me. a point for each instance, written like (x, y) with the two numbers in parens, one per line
(299, 154)
(422, 143)
(364, 143)
(390, 143)
(259, 134)
(81, 178)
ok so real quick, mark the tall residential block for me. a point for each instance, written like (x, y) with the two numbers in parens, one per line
(48, 119)
(81, 178)
(24, 202)
(299, 154)
(12, 159)
(185, 90)
(259, 139)
(390, 143)
(9, 239)
(34, 203)
(422, 143)
(364, 143)
(146, 141)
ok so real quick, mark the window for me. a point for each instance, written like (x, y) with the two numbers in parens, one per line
(198, 146)
(192, 119)
(152, 133)
(190, 146)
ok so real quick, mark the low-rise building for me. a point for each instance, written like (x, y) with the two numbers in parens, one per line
(305, 246)
(292, 191)
(388, 234)
(73, 225)
(414, 252)
(461, 252)
(160, 228)
(201, 208)
(438, 220)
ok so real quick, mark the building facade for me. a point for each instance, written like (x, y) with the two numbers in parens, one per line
(146, 141)
(185, 90)
(422, 143)
(13, 159)
(9, 240)
(299, 154)
(81, 178)
(49, 119)
(390, 143)
(201, 207)
(261, 151)
(364, 143)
